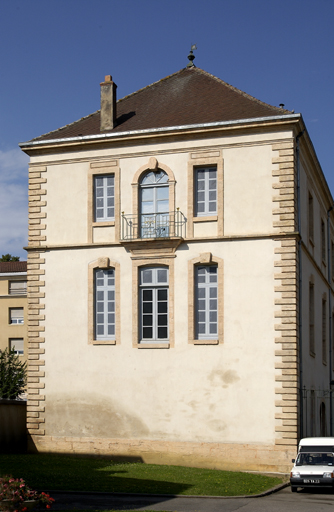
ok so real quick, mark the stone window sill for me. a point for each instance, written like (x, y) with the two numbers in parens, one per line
(211, 218)
(104, 342)
(206, 342)
(153, 345)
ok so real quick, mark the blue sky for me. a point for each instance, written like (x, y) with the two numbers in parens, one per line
(54, 54)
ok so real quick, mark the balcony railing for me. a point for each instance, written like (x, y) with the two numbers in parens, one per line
(153, 225)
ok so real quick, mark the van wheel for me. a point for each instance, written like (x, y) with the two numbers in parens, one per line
(293, 489)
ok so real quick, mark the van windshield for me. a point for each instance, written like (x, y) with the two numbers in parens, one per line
(315, 459)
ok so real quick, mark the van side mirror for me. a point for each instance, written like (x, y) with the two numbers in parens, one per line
(293, 460)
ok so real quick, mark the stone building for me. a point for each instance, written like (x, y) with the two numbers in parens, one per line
(13, 307)
(180, 251)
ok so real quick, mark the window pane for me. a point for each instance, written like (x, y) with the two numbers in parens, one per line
(147, 307)
(213, 304)
(213, 316)
(162, 294)
(162, 333)
(147, 276)
(201, 293)
(147, 295)
(162, 307)
(147, 320)
(213, 328)
(162, 275)
(162, 319)
(147, 333)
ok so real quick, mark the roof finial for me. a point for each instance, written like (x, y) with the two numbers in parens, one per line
(191, 57)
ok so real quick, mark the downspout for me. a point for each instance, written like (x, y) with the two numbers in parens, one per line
(299, 293)
(330, 321)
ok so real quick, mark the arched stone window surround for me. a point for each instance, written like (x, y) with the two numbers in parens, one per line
(152, 165)
(205, 259)
(103, 263)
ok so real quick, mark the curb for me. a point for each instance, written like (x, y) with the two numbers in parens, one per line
(186, 496)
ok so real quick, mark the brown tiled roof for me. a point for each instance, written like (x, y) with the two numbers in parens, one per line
(7, 267)
(190, 96)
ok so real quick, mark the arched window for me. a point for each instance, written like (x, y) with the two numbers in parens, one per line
(154, 204)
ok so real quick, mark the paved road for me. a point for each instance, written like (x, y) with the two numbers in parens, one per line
(282, 501)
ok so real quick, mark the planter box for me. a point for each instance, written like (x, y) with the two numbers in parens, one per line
(13, 430)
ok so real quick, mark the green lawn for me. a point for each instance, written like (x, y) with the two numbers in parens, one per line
(57, 472)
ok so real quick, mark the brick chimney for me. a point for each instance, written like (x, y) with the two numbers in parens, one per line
(108, 104)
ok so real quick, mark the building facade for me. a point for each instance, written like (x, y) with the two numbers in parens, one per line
(180, 298)
(13, 307)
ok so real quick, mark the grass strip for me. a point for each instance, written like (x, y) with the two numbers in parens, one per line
(71, 473)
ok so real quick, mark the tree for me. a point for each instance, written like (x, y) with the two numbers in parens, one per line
(13, 375)
(9, 257)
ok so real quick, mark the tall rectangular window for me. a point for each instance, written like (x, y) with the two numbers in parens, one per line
(323, 241)
(324, 331)
(311, 318)
(154, 310)
(16, 315)
(310, 217)
(105, 304)
(104, 198)
(205, 191)
(17, 344)
(206, 301)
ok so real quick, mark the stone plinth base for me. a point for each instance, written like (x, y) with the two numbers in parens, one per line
(235, 457)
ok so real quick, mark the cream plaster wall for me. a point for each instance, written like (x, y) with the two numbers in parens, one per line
(120, 391)
(66, 221)
(248, 190)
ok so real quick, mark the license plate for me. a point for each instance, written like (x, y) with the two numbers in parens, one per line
(311, 481)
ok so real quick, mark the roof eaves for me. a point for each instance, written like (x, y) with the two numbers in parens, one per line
(101, 136)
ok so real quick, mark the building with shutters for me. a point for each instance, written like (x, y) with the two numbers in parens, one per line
(181, 241)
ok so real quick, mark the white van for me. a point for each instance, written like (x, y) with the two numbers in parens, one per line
(314, 465)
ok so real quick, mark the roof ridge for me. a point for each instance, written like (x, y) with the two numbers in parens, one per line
(150, 85)
(243, 93)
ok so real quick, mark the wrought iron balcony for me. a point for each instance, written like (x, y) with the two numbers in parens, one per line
(153, 225)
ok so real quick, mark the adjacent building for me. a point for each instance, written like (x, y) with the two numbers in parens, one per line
(180, 280)
(13, 307)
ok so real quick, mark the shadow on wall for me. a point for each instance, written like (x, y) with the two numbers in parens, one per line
(13, 430)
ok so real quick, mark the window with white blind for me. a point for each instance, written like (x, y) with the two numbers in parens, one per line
(104, 198)
(17, 344)
(17, 287)
(205, 191)
(154, 310)
(206, 302)
(105, 304)
(16, 315)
